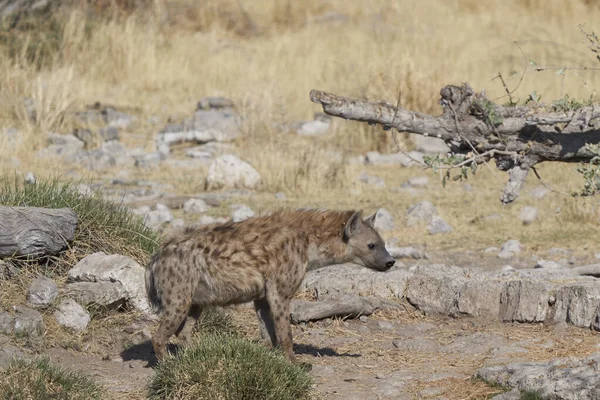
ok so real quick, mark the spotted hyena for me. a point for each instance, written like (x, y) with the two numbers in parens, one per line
(262, 259)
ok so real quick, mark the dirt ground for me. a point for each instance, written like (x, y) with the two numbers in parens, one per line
(389, 355)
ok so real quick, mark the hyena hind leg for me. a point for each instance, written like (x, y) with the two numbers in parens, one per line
(187, 327)
(172, 319)
(265, 322)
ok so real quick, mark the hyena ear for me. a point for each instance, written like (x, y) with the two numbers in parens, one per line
(371, 220)
(352, 227)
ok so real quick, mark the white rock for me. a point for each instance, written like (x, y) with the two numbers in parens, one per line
(528, 214)
(71, 315)
(241, 212)
(422, 212)
(384, 221)
(548, 264)
(195, 206)
(229, 171)
(42, 292)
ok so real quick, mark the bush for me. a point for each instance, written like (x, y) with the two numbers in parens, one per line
(101, 224)
(216, 320)
(40, 380)
(225, 367)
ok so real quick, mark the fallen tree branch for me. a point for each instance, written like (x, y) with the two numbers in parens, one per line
(516, 137)
(349, 306)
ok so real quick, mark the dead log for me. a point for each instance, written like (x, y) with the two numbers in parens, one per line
(349, 306)
(517, 138)
(34, 231)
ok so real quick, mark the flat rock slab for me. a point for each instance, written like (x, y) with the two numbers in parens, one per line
(561, 379)
(534, 295)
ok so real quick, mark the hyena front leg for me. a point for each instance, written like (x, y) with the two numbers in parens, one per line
(265, 322)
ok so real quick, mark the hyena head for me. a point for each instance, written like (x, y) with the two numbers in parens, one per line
(365, 245)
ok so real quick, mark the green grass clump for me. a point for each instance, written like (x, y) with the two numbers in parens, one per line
(216, 320)
(226, 367)
(102, 225)
(38, 379)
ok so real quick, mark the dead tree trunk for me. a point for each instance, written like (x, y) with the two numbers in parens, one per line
(517, 138)
(35, 232)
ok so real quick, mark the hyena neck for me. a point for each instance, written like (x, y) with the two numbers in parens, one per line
(325, 255)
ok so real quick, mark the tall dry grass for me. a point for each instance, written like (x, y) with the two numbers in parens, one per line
(268, 55)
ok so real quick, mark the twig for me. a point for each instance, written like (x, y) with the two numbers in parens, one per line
(547, 185)
(489, 154)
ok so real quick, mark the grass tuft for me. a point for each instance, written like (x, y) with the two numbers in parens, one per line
(39, 379)
(227, 367)
(102, 225)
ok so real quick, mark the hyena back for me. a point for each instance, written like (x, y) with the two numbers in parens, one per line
(262, 259)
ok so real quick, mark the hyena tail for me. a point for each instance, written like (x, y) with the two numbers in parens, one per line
(152, 291)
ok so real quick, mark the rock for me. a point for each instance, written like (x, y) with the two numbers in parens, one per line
(509, 249)
(195, 206)
(100, 267)
(207, 152)
(416, 182)
(109, 133)
(548, 264)
(207, 219)
(539, 192)
(7, 270)
(110, 154)
(154, 218)
(375, 158)
(435, 290)
(318, 127)
(371, 180)
(149, 159)
(116, 118)
(28, 321)
(407, 252)
(229, 171)
(42, 292)
(528, 215)
(524, 301)
(422, 212)
(429, 145)
(336, 281)
(214, 102)
(387, 325)
(597, 255)
(507, 268)
(571, 378)
(8, 352)
(577, 304)
(205, 126)
(363, 318)
(384, 221)
(30, 178)
(512, 395)
(108, 295)
(438, 225)
(491, 250)
(177, 223)
(71, 315)
(65, 146)
(7, 323)
(241, 212)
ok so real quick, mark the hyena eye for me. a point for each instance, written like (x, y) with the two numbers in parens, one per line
(371, 246)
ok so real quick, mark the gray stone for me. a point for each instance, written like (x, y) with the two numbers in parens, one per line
(195, 206)
(384, 221)
(371, 180)
(407, 252)
(109, 295)
(509, 249)
(417, 182)
(539, 192)
(177, 223)
(417, 345)
(205, 126)
(207, 219)
(511, 395)
(386, 325)
(30, 178)
(214, 102)
(375, 158)
(229, 171)
(241, 212)
(7, 323)
(528, 215)
(207, 152)
(559, 251)
(8, 352)
(28, 321)
(65, 146)
(548, 264)
(154, 218)
(71, 315)
(566, 378)
(114, 268)
(429, 145)
(435, 288)
(524, 301)
(7, 270)
(363, 318)
(149, 159)
(577, 304)
(336, 281)
(109, 133)
(314, 128)
(42, 292)
(422, 212)
(491, 250)
(480, 298)
(438, 225)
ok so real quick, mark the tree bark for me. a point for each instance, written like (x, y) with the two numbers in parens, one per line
(516, 137)
(35, 232)
(350, 306)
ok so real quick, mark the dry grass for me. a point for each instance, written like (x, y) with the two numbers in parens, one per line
(268, 55)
